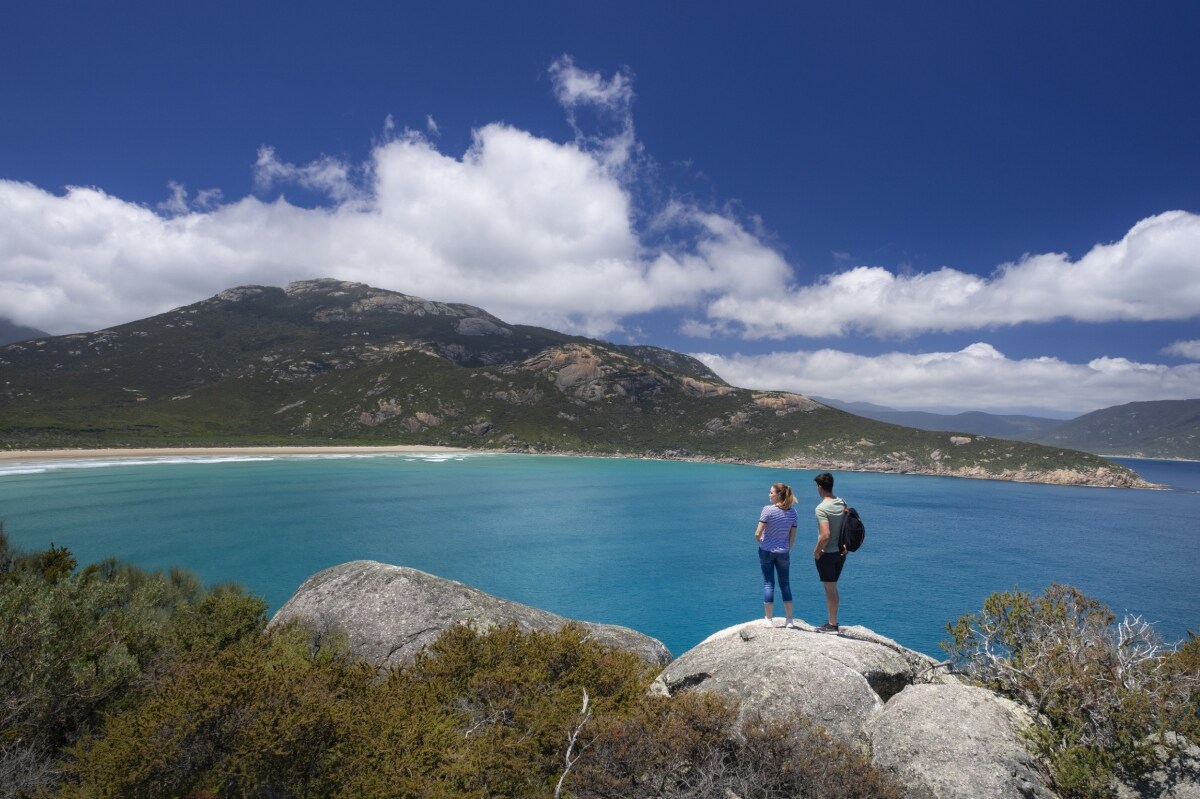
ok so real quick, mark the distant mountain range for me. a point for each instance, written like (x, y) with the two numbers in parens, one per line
(325, 361)
(10, 331)
(977, 422)
(1155, 429)
(1158, 429)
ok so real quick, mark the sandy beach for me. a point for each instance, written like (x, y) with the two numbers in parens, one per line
(79, 454)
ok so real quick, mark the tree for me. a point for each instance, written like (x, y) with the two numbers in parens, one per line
(1105, 692)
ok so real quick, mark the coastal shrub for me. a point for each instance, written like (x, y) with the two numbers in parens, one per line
(76, 646)
(488, 713)
(1181, 666)
(263, 716)
(692, 746)
(1104, 692)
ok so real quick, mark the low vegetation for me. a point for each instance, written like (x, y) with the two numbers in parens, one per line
(117, 682)
(122, 683)
(1106, 695)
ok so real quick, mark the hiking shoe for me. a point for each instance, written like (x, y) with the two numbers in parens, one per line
(767, 623)
(827, 628)
(789, 624)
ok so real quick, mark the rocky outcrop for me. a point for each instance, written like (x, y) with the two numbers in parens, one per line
(1177, 778)
(956, 742)
(838, 681)
(941, 738)
(389, 613)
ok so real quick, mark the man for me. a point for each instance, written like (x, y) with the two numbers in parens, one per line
(829, 554)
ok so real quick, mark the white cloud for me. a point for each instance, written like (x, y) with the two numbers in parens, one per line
(976, 377)
(536, 231)
(611, 99)
(533, 230)
(575, 87)
(178, 202)
(1184, 349)
(326, 175)
(1150, 274)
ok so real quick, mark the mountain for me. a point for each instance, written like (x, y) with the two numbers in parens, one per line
(977, 422)
(1156, 429)
(325, 361)
(10, 331)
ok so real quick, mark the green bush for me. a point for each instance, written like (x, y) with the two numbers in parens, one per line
(692, 746)
(485, 714)
(1104, 692)
(477, 714)
(77, 646)
(261, 717)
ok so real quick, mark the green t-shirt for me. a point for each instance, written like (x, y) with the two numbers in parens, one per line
(832, 511)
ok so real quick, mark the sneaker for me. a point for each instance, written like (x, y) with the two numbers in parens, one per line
(827, 628)
(789, 624)
(767, 623)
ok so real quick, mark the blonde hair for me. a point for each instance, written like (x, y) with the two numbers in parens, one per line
(784, 498)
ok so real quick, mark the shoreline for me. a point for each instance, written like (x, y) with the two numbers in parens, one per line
(18, 455)
(10, 457)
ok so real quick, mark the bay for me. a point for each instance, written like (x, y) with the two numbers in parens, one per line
(663, 547)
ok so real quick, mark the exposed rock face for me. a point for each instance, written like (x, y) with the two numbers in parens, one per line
(838, 681)
(1177, 778)
(956, 742)
(943, 739)
(389, 613)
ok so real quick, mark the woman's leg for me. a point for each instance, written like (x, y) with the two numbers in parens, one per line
(783, 564)
(767, 564)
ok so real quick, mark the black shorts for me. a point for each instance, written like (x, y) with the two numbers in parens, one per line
(829, 566)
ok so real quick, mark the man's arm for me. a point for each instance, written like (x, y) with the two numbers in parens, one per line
(822, 538)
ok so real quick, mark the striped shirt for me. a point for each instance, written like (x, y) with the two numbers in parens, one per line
(779, 527)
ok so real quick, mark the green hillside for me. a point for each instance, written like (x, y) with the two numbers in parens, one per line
(1157, 429)
(328, 362)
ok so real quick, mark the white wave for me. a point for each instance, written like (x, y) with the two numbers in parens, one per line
(6, 471)
(31, 467)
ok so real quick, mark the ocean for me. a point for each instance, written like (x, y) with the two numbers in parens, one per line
(663, 547)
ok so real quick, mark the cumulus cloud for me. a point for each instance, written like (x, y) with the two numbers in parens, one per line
(976, 377)
(1150, 274)
(537, 231)
(534, 230)
(1184, 349)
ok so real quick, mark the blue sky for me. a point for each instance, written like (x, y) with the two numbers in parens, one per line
(942, 206)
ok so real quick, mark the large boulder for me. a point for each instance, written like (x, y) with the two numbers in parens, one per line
(389, 613)
(954, 741)
(839, 681)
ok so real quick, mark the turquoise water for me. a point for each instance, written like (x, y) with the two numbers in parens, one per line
(664, 547)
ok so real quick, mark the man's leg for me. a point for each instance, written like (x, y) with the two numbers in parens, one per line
(831, 601)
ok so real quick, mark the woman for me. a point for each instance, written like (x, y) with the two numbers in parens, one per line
(775, 534)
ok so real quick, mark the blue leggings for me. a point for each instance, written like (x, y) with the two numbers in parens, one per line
(772, 562)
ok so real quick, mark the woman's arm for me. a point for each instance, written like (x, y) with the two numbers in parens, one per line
(758, 533)
(791, 537)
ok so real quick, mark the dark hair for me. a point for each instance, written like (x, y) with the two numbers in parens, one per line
(825, 481)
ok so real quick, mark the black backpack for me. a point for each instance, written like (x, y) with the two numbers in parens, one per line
(853, 530)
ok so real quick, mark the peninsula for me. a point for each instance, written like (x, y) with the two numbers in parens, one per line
(327, 363)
